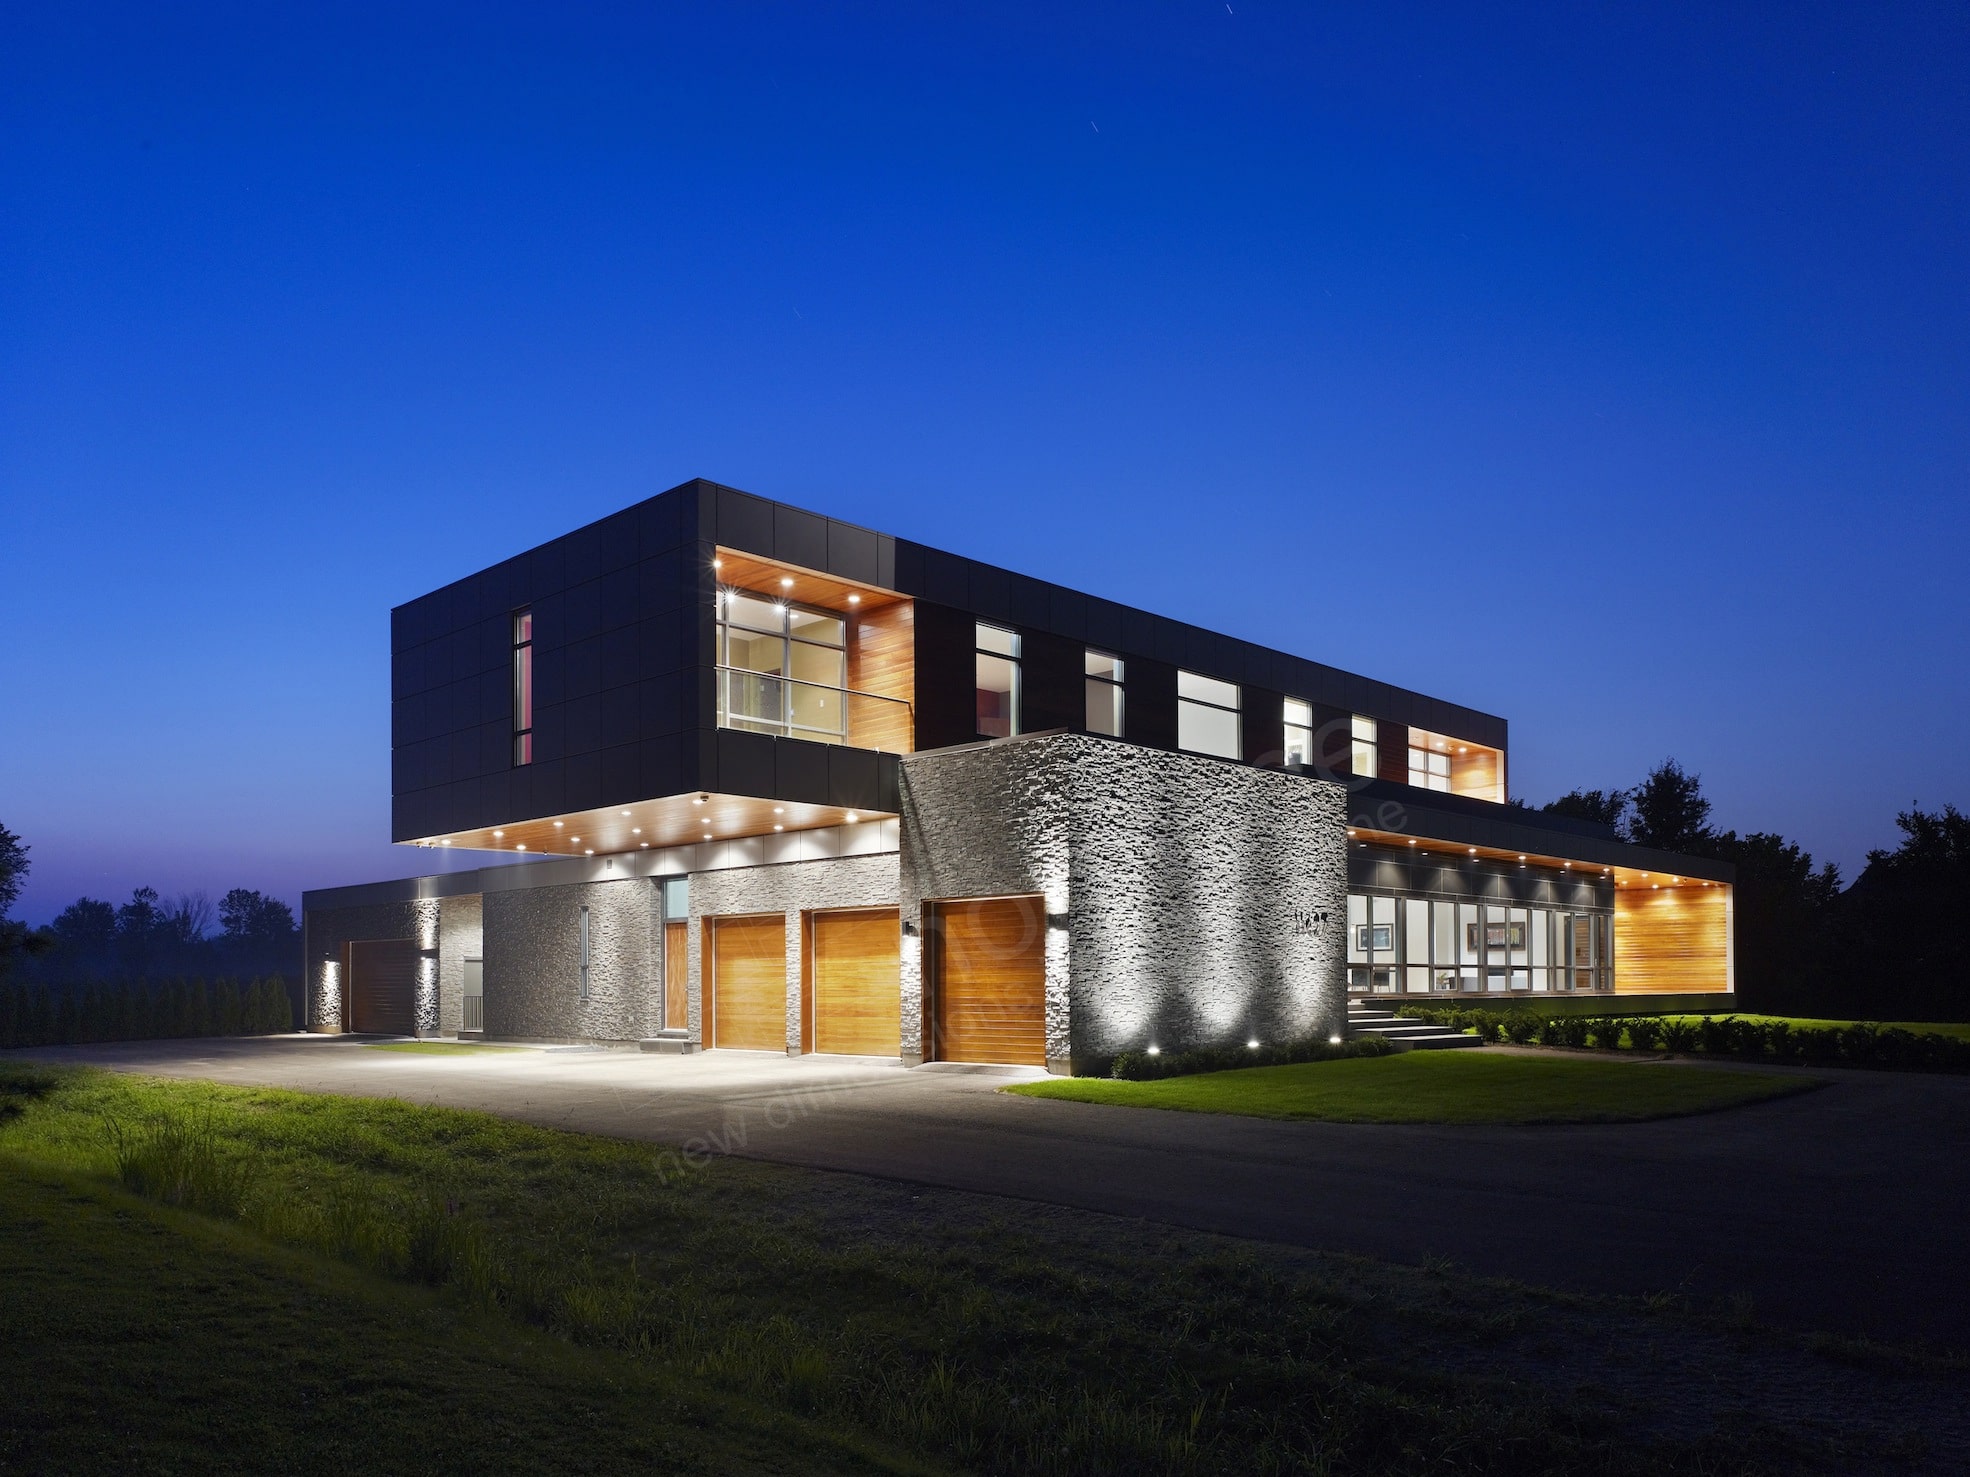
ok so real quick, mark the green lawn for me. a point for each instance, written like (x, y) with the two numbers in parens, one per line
(390, 1287)
(436, 1048)
(1442, 1087)
(144, 1339)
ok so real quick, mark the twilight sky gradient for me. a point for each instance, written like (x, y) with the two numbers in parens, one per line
(1602, 369)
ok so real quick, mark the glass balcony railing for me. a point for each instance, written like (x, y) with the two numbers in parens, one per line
(761, 702)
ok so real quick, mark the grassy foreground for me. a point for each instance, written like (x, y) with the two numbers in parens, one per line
(1441, 1087)
(353, 1284)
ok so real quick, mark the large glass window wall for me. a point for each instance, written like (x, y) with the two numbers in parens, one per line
(1421, 946)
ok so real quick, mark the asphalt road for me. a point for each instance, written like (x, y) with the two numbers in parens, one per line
(1846, 1209)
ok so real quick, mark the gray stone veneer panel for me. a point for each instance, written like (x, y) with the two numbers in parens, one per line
(326, 930)
(459, 937)
(790, 889)
(532, 956)
(1204, 902)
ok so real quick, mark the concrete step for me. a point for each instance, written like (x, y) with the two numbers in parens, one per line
(1443, 1041)
(671, 1043)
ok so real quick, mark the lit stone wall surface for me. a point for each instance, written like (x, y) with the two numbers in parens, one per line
(1205, 901)
(532, 951)
(459, 936)
(790, 889)
(327, 930)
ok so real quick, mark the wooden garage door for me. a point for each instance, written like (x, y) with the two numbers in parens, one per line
(991, 981)
(857, 988)
(383, 987)
(748, 982)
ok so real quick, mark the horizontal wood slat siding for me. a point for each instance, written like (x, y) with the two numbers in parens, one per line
(1675, 941)
(677, 974)
(383, 987)
(857, 989)
(1477, 773)
(749, 982)
(991, 981)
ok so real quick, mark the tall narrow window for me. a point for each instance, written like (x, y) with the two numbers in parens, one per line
(523, 687)
(584, 953)
(1364, 757)
(1299, 733)
(1104, 683)
(1207, 716)
(998, 681)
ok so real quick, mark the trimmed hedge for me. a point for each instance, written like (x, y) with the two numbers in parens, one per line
(1140, 1066)
(142, 1010)
(1860, 1045)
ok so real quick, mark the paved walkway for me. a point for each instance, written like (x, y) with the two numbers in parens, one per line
(1845, 1209)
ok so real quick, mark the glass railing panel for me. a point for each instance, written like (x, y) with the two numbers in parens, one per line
(814, 711)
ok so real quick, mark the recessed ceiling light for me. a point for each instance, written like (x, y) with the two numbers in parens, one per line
(557, 825)
(779, 810)
(854, 599)
(786, 583)
(1521, 858)
(589, 852)
(718, 564)
(1473, 851)
(697, 800)
(521, 847)
(625, 812)
(574, 838)
(779, 828)
(498, 835)
(852, 817)
(646, 846)
(1412, 840)
(445, 842)
(707, 835)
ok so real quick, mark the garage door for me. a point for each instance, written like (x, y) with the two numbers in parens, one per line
(991, 981)
(857, 988)
(748, 982)
(383, 987)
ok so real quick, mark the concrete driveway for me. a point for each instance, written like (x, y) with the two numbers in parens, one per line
(1846, 1209)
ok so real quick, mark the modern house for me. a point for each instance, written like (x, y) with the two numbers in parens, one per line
(762, 780)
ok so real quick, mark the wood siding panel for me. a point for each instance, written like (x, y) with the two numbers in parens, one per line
(856, 960)
(677, 974)
(1478, 772)
(882, 657)
(749, 982)
(383, 987)
(991, 981)
(1392, 751)
(1672, 941)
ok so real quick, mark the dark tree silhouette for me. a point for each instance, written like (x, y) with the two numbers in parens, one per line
(1603, 807)
(1669, 812)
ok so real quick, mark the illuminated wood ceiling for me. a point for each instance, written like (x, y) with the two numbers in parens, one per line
(675, 820)
(1621, 876)
(804, 586)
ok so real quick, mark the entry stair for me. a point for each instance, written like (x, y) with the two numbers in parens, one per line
(1404, 1035)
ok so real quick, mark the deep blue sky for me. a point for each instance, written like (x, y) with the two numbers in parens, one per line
(1600, 368)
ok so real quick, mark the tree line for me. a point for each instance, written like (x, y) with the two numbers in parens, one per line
(1894, 944)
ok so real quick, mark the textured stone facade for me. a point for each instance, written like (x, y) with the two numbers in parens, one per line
(532, 951)
(790, 889)
(460, 937)
(326, 933)
(1191, 902)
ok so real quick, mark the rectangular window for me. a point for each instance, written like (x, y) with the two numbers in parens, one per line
(584, 953)
(997, 661)
(1207, 716)
(1363, 761)
(1299, 733)
(783, 668)
(523, 687)
(1104, 685)
(1429, 770)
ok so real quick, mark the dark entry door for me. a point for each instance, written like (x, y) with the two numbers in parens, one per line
(383, 987)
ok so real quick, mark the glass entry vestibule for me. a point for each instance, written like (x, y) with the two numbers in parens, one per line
(1413, 945)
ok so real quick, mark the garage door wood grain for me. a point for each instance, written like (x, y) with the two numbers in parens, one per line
(857, 964)
(383, 987)
(991, 981)
(749, 982)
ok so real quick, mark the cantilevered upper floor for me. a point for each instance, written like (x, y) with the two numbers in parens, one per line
(709, 664)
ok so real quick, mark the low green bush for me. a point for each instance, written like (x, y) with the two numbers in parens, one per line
(1520, 1026)
(1604, 1032)
(1679, 1036)
(1644, 1033)
(1143, 1066)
